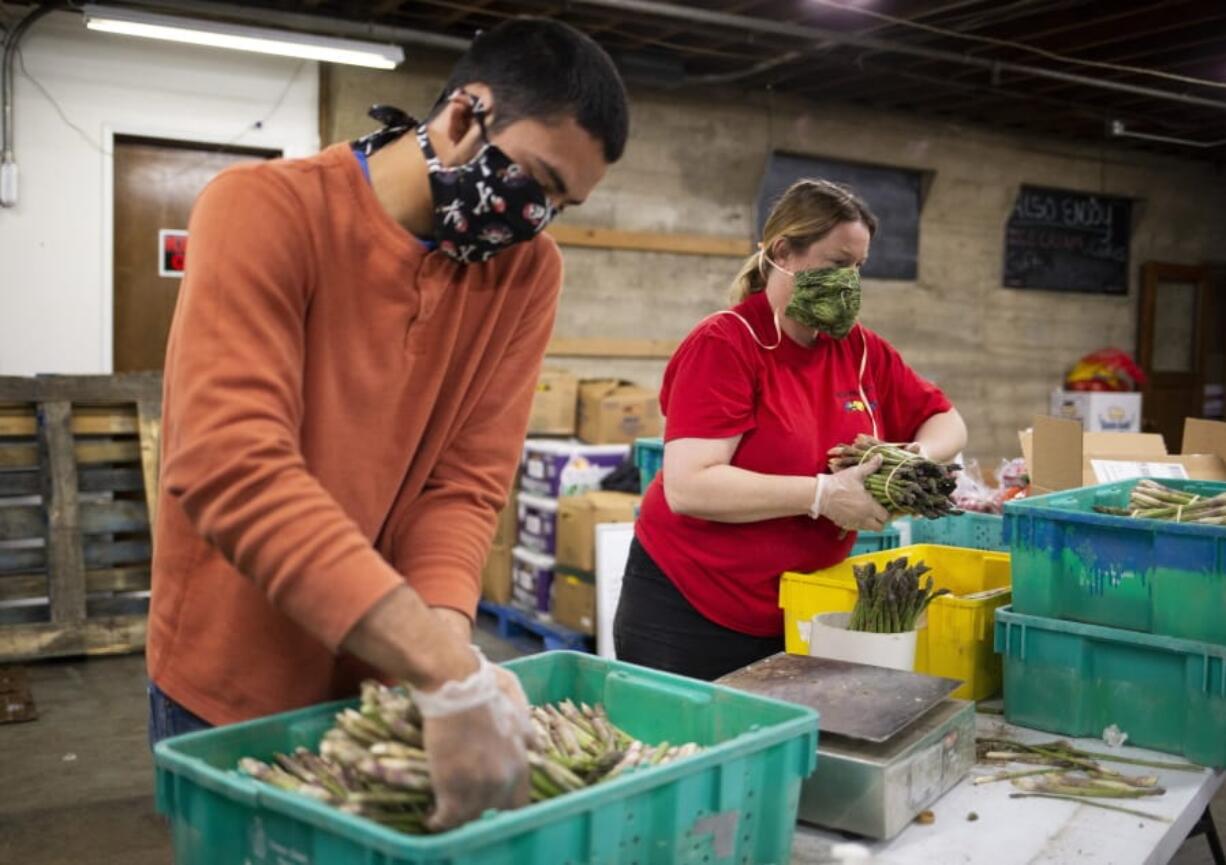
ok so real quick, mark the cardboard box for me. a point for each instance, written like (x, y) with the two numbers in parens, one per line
(612, 411)
(1060, 455)
(553, 405)
(574, 603)
(554, 468)
(1099, 411)
(496, 575)
(577, 519)
(507, 527)
(538, 523)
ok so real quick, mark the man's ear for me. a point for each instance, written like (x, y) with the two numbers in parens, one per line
(459, 117)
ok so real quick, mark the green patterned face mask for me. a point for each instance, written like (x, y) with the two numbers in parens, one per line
(826, 299)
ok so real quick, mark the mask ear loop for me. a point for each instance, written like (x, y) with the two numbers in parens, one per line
(775, 313)
(749, 327)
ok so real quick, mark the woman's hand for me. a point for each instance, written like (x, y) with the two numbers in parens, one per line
(843, 499)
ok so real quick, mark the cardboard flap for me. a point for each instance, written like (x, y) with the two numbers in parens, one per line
(608, 499)
(1056, 459)
(1120, 444)
(599, 388)
(1204, 437)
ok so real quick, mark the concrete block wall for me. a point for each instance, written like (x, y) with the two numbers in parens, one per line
(694, 163)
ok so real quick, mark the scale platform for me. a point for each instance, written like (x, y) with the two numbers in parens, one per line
(891, 743)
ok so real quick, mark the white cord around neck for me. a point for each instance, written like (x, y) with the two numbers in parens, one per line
(749, 327)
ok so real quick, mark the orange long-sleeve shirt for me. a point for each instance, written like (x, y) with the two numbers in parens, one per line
(343, 413)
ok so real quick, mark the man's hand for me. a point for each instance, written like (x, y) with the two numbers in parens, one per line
(476, 741)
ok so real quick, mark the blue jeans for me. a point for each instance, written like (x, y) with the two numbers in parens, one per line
(167, 718)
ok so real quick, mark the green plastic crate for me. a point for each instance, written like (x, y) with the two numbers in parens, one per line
(1076, 679)
(649, 457)
(888, 538)
(735, 802)
(1145, 575)
(970, 530)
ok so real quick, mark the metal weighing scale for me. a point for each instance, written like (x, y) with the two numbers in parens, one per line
(891, 742)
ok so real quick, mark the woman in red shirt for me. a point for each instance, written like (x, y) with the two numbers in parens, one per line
(754, 398)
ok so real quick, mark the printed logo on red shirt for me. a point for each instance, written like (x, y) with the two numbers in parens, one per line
(852, 402)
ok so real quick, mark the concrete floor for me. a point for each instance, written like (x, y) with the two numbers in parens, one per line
(76, 786)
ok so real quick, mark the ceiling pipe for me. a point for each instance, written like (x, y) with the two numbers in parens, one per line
(764, 27)
(1119, 130)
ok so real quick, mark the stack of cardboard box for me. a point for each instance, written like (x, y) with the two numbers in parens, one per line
(552, 471)
(543, 558)
(496, 576)
(574, 585)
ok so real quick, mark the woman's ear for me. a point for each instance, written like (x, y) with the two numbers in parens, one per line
(780, 251)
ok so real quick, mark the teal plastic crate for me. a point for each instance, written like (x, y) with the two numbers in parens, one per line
(1076, 679)
(970, 530)
(733, 803)
(875, 542)
(649, 457)
(1145, 575)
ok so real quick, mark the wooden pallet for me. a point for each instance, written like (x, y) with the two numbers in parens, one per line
(513, 622)
(78, 489)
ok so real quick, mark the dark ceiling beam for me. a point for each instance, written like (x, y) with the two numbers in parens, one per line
(383, 7)
(1158, 20)
(928, 11)
(734, 7)
(815, 34)
(979, 49)
(1153, 58)
(1117, 102)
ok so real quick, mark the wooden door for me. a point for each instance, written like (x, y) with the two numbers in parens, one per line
(156, 183)
(1172, 336)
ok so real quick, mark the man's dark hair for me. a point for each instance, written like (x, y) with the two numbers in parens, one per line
(543, 69)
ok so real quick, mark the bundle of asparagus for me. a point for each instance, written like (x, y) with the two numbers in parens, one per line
(891, 601)
(371, 763)
(906, 483)
(1151, 500)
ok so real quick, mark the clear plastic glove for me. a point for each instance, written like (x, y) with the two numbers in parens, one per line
(842, 499)
(476, 735)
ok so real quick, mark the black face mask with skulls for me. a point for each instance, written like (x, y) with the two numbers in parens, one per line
(486, 205)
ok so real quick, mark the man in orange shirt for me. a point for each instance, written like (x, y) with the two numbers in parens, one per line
(348, 382)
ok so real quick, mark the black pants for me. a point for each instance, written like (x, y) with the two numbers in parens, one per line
(657, 627)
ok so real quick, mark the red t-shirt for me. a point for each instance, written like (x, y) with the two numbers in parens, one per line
(790, 406)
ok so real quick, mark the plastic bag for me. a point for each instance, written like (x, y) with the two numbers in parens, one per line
(974, 493)
(1108, 369)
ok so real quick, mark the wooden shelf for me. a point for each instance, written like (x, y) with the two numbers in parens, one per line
(651, 241)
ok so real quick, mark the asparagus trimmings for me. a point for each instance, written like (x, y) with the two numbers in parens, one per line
(372, 764)
(1153, 501)
(906, 483)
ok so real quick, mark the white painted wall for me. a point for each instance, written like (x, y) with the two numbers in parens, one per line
(55, 245)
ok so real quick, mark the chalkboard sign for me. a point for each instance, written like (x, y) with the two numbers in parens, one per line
(1068, 241)
(894, 195)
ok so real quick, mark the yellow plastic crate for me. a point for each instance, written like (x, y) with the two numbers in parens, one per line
(958, 639)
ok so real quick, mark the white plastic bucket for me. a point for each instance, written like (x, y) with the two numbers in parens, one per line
(829, 638)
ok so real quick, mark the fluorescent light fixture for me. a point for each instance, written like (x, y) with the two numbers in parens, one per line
(262, 40)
